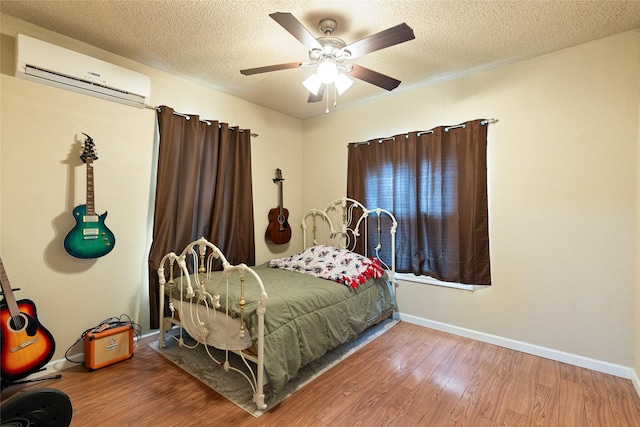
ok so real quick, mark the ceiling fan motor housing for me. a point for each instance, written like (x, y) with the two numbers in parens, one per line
(332, 48)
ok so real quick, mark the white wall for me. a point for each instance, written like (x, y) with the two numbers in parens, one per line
(42, 179)
(562, 187)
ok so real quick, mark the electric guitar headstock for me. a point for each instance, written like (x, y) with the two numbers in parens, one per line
(88, 151)
(278, 176)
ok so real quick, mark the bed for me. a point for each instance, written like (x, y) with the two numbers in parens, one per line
(284, 314)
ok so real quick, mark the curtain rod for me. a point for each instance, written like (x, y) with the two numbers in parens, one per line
(423, 132)
(188, 117)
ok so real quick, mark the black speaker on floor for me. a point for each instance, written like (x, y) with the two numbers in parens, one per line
(43, 407)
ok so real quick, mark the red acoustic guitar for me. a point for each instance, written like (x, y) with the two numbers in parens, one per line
(278, 230)
(26, 345)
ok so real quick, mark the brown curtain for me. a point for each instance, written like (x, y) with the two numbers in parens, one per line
(435, 183)
(203, 190)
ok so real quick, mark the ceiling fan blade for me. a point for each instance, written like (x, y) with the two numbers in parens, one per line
(297, 30)
(391, 36)
(319, 96)
(269, 68)
(373, 77)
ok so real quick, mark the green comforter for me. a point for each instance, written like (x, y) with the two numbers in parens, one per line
(305, 316)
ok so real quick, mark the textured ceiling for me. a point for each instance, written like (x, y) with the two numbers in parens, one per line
(210, 41)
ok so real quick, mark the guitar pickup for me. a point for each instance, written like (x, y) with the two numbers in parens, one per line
(90, 218)
(89, 232)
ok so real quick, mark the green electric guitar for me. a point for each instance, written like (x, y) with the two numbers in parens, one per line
(90, 238)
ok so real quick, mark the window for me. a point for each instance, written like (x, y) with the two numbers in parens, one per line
(435, 183)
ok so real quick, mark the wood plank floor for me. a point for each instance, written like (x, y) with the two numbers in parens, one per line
(411, 376)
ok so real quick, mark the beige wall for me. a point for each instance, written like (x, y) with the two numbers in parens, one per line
(42, 180)
(562, 186)
(636, 331)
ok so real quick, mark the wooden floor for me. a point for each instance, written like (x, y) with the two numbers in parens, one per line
(411, 376)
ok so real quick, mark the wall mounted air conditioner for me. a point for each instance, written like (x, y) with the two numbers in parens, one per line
(56, 66)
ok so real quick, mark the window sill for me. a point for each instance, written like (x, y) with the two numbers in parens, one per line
(427, 280)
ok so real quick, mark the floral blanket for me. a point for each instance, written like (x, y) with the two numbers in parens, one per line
(327, 262)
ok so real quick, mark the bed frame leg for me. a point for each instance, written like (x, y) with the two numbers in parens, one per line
(259, 400)
(165, 326)
(259, 395)
(161, 318)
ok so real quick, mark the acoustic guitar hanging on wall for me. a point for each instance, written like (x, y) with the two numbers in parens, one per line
(90, 238)
(278, 230)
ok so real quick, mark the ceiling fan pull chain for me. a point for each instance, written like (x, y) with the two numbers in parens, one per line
(327, 110)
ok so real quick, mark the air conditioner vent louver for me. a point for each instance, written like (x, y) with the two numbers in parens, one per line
(56, 66)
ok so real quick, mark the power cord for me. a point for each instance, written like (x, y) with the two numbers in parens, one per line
(111, 322)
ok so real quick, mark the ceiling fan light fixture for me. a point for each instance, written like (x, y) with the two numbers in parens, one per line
(315, 54)
(327, 71)
(312, 83)
(343, 83)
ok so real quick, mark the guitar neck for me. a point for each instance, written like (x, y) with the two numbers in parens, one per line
(12, 305)
(280, 203)
(91, 210)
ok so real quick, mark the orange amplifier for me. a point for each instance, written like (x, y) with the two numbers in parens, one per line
(107, 347)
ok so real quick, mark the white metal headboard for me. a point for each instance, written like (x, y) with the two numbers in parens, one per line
(342, 221)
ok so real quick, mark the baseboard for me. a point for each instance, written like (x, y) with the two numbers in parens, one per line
(548, 353)
(635, 381)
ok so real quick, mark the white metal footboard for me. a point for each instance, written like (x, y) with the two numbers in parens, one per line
(203, 254)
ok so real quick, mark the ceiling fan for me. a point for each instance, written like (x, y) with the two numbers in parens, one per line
(329, 54)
